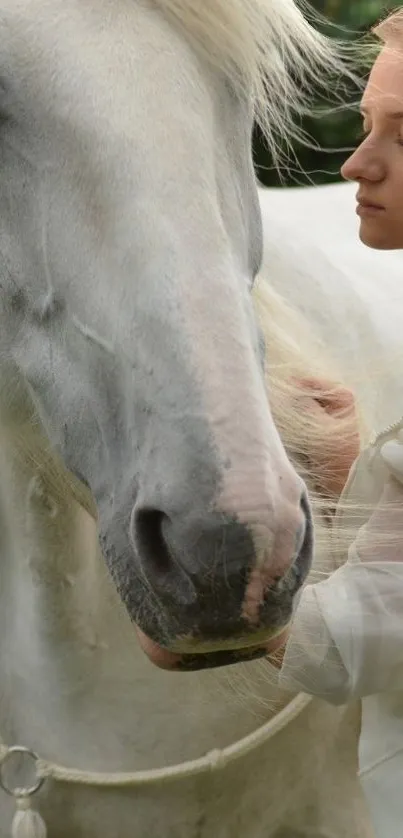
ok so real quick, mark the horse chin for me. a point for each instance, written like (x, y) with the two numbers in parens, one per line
(190, 662)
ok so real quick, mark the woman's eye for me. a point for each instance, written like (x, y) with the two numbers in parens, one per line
(362, 134)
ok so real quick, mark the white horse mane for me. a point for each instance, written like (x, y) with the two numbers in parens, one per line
(266, 46)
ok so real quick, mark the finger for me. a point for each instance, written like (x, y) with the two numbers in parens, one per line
(333, 399)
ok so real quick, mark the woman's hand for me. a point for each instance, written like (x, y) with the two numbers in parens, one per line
(332, 456)
(338, 447)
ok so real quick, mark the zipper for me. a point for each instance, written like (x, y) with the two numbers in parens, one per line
(390, 429)
(365, 459)
(370, 452)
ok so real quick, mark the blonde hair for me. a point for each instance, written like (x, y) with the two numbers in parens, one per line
(268, 49)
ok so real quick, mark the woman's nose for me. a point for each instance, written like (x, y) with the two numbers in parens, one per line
(363, 164)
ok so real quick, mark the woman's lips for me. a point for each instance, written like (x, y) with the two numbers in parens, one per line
(367, 208)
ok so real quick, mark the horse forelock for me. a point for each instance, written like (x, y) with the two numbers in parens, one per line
(266, 48)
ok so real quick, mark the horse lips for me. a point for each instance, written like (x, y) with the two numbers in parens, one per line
(173, 661)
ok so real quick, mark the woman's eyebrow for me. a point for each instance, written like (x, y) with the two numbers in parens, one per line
(390, 115)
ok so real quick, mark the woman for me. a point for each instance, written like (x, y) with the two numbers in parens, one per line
(377, 164)
(346, 640)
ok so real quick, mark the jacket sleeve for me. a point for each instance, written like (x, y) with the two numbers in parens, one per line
(346, 640)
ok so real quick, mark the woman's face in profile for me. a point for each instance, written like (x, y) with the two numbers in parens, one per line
(377, 164)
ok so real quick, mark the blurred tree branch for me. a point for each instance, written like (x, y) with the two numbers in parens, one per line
(336, 132)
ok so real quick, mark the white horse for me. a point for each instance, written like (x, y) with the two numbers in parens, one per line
(134, 416)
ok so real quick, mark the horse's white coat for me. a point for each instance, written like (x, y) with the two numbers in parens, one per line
(75, 686)
(130, 237)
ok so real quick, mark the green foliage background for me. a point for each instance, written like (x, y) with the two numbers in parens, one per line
(337, 132)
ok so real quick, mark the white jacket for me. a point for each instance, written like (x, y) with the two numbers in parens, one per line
(347, 636)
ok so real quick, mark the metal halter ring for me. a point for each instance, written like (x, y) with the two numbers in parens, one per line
(20, 792)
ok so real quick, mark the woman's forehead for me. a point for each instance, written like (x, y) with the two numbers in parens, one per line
(384, 91)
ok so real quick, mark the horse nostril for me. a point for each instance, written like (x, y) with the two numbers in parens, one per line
(160, 565)
(147, 533)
